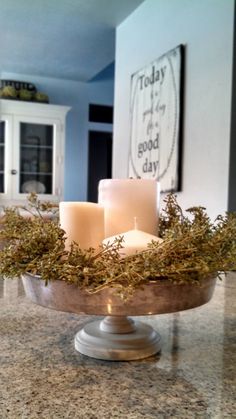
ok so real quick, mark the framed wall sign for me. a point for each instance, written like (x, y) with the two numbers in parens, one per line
(155, 116)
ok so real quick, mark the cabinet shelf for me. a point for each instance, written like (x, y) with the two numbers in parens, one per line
(36, 173)
(49, 147)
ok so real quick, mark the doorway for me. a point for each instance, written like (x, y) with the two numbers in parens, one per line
(99, 161)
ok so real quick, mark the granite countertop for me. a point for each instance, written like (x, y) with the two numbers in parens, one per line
(42, 375)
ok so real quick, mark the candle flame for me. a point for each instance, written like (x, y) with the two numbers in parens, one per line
(109, 308)
(135, 223)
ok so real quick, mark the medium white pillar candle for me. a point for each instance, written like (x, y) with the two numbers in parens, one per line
(83, 223)
(125, 199)
(134, 241)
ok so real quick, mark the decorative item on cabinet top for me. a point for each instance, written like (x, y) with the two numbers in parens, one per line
(20, 90)
(18, 85)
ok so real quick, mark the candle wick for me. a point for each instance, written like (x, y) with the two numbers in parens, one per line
(135, 223)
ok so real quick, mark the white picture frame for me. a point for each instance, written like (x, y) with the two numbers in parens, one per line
(155, 121)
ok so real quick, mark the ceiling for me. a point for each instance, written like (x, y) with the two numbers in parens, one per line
(69, 39)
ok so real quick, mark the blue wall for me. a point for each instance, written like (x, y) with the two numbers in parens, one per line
(77, 95)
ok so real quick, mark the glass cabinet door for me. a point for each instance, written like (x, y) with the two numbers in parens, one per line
(36, 158)
(2, 156)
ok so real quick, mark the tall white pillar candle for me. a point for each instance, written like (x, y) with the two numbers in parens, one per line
(125, 199)
(83, 223)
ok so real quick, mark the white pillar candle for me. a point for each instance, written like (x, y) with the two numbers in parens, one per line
(124, 199)
(83, 223)
(134, 241)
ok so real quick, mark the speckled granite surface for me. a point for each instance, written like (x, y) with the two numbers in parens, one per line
(42, 376)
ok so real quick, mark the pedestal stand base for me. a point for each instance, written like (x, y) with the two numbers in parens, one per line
(117, 339)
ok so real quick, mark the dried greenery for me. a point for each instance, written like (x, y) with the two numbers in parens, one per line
(193, 248)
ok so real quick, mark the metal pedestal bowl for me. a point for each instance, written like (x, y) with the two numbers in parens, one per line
(118, 337)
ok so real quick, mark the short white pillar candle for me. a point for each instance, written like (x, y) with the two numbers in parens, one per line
(83, 223)
(134, 241)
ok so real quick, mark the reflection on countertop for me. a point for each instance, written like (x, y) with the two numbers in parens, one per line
(42, 376)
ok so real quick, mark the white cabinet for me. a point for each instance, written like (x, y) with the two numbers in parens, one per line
(32, 142)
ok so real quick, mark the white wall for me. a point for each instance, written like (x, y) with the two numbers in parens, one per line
(205, 27)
